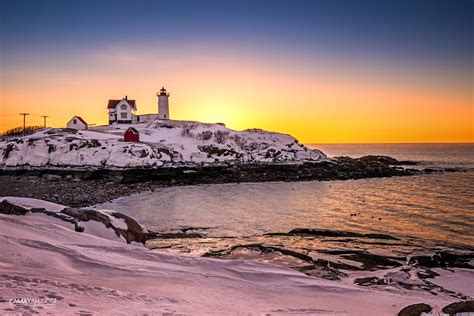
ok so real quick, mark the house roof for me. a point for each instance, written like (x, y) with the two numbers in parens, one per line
(133, 130)
(113, 103)
(80, 119)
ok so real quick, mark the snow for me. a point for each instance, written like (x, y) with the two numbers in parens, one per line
(44, 256)
(162, 143)
(117, 222)
(461, 281)
(98, 229)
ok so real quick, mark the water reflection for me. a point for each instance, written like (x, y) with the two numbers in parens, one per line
(437, 207)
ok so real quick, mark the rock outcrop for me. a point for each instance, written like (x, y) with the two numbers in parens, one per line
(123, 225)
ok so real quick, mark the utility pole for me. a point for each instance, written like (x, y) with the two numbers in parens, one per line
(24, 122)
(44, 117)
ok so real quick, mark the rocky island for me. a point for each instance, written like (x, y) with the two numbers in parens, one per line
(53, 164)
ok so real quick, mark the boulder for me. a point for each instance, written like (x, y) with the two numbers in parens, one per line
(12, 209)
(134, 232)
(459, 307)
(415, 310)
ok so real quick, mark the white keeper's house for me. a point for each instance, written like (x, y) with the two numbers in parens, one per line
(122, 111)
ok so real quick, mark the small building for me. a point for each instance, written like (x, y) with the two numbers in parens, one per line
(77, 123)
(122, 111)
(145, 118)
(131, 135)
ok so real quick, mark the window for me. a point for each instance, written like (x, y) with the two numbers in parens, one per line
(123, 107)
(74, 121)
(123, 115)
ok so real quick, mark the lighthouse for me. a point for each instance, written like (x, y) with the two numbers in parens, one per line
(163, 108)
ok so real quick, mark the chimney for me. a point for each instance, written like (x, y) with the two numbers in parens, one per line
(126, 98)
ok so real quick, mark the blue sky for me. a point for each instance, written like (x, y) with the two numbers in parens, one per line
(404, 29)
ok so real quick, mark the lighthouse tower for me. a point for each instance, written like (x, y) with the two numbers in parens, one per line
(163, 108)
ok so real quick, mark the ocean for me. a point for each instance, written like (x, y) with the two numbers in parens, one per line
(433, 210)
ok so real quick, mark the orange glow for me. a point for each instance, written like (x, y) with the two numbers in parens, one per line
(318, 105)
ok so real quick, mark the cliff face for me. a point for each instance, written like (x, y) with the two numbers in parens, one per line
(162, 144)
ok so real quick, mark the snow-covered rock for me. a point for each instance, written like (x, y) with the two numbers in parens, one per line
(28, 203)
(162, 144)
(101, 223)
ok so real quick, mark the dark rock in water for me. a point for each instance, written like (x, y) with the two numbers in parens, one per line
(372, 262)
(452, 169)
(443, 259)
(459, 307)
(186, 229)
(12, 209)
(426, 274)
(369, 261)
(432, 170)
(365, 242)
(415, 310)
(175, 235)
(368, 281)
(387, 160)
(334, 265)
(334, 233)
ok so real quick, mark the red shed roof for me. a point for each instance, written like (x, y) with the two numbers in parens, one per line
(132, 130)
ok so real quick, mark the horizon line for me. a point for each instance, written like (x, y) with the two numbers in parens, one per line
(387, 143)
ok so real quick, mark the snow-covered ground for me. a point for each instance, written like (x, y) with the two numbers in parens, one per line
(162, 143)
(43, 257)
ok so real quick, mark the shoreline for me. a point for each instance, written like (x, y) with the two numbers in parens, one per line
(78, 188)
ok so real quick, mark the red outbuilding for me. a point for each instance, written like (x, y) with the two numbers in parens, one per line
(131, 135)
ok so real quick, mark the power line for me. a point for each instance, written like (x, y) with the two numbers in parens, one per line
(31, 114)
(44, 117)
(24, 122)
(4, 115)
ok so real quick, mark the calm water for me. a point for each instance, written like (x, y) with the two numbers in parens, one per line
(437, 207)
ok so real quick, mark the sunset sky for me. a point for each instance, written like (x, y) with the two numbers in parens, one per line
(328, 71)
